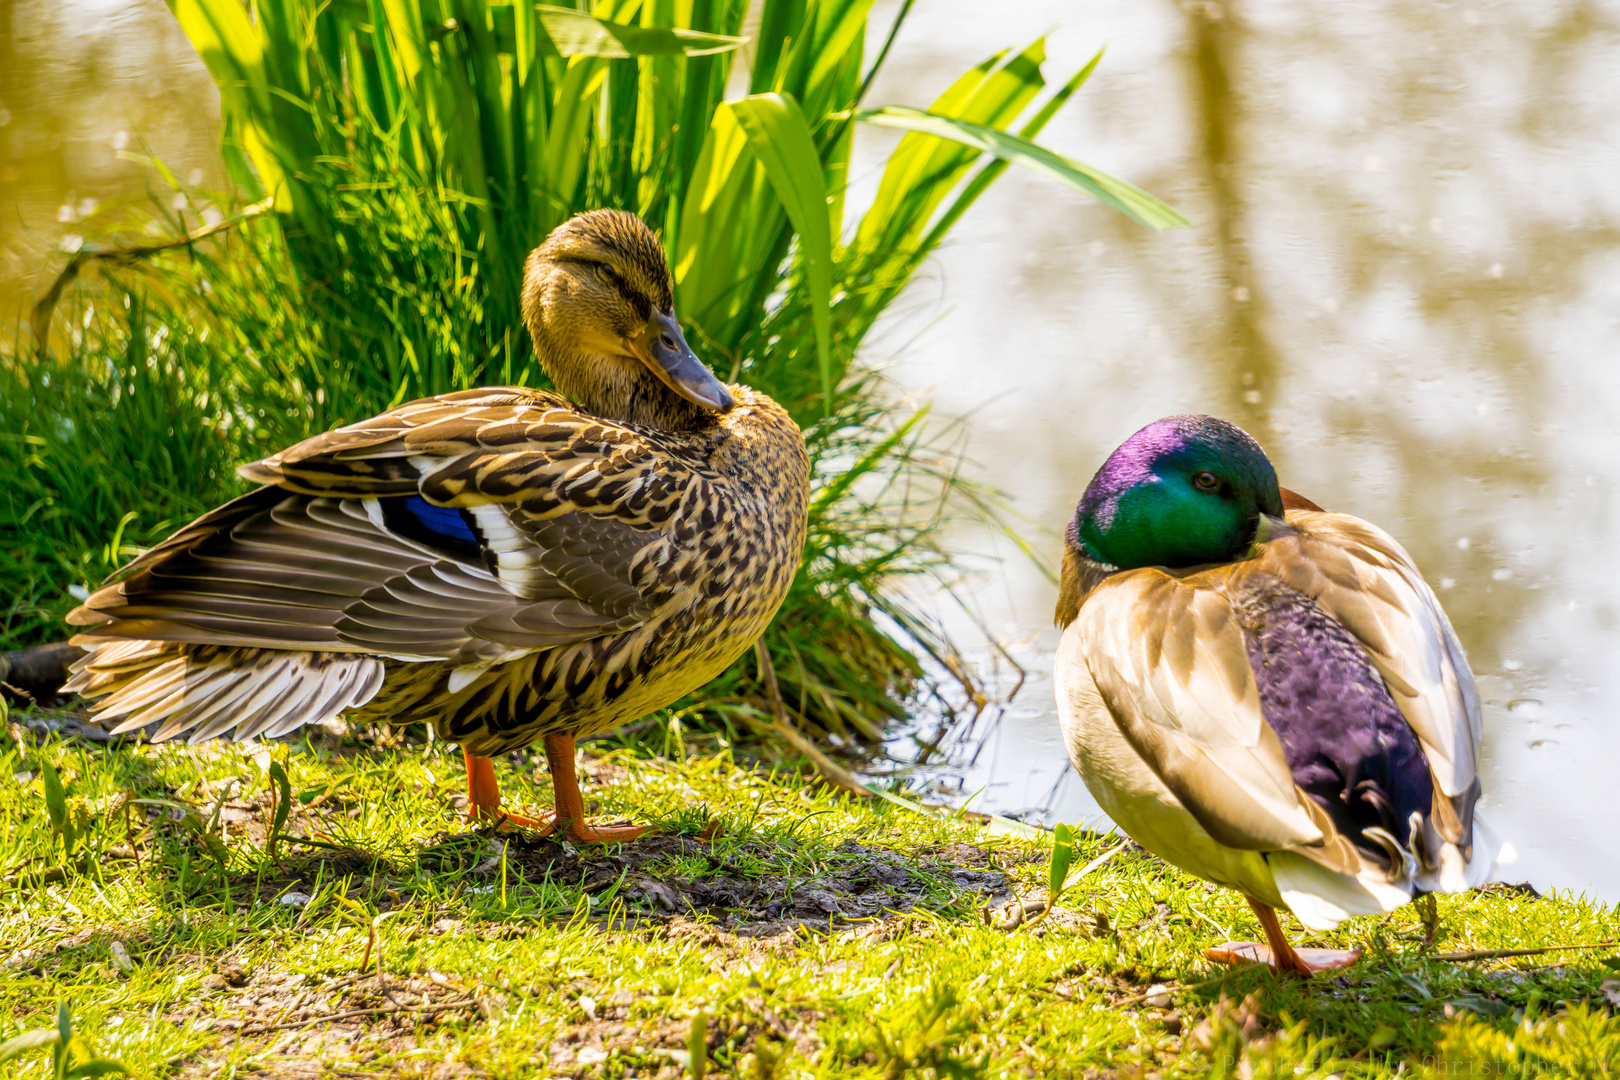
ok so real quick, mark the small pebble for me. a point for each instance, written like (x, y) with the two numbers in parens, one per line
(120, 956)
(1158, 996)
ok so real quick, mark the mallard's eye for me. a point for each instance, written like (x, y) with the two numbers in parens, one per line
(1205, 481)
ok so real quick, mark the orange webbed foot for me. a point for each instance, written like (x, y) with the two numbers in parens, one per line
(1305, 962)
(504, 817)
(484, 800)
(582, 832)
(578, 832)
(1278, 954)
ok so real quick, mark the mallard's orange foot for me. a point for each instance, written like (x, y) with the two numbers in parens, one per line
(504, 817)
(1306, 962)
(583, 832)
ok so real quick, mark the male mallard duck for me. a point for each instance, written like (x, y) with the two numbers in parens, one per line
(504, 564)
(1265, 694)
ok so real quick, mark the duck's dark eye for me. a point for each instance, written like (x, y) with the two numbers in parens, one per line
(1205, 480)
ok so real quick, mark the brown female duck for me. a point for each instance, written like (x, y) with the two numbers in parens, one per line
(507, 565)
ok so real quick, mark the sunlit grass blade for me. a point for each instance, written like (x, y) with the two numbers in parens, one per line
(781, 140)
(576, 33)
(715, 261)
(823, 53)
(922, 170)
(231, 49)
(989, 173)
(1128, 199)
(36, 1039)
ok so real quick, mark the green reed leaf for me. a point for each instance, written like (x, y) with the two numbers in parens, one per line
(1062, 858)
(780, 138)
(1128, 199)
(575, 33)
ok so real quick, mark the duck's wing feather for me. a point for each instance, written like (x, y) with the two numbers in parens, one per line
(373, 456)
(472, 527)
(1366, 581)
(1167, 657)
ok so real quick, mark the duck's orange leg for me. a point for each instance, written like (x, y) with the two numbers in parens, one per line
(484, 799)
(484, 795)
(569, 817)
(1281, 956)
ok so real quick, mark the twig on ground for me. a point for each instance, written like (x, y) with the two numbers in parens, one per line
(1496, 954)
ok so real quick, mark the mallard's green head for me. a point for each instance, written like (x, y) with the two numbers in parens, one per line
(1182, 491)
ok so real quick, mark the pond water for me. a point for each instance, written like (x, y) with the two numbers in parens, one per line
(1404, 279)
(88, 90)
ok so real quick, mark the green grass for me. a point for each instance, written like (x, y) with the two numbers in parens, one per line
(177, 953)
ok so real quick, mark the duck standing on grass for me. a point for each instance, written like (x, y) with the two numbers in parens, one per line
(506, 564)
(1265, 694)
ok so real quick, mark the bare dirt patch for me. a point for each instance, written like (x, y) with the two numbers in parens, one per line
(749, 889)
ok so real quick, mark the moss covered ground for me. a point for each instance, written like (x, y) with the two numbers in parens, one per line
(198, 918)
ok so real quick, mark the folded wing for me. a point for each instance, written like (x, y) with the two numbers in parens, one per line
(1168, 659)
(471, 528)
(1366, 581)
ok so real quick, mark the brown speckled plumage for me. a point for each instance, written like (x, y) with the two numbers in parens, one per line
(503, 564)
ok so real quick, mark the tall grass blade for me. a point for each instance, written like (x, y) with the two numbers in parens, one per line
(991, 172)
(56, 807)
(575, 33)
(1062, 859)
(922, 170)
(1129, 200)
(780, 138)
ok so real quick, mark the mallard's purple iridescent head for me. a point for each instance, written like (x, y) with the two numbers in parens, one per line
(1182, 491)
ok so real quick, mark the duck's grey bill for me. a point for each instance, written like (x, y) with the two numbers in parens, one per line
(663, 348)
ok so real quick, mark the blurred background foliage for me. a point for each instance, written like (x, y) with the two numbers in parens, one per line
(393, 162)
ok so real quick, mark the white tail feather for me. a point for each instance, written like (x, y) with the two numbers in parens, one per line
(252, 691)
(1453, 875)
(1322, 899)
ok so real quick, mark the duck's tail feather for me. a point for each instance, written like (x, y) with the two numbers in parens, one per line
(1322, 898)
(1451, 872)
(204, 692)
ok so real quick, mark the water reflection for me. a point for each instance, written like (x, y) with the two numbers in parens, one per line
(87, 89)
(1401, 280)
(1404, 280)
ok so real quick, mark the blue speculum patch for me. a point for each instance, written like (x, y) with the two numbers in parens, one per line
(444, 520)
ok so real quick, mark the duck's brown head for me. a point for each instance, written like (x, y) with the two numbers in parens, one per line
(599, 303)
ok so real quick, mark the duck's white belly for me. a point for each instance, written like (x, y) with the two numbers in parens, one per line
(1133, 795)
